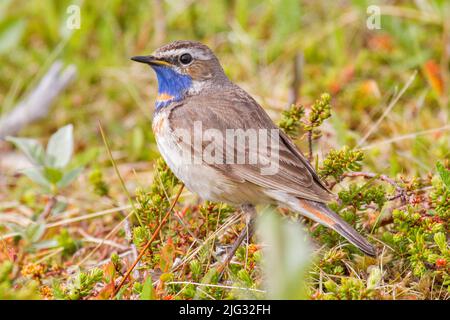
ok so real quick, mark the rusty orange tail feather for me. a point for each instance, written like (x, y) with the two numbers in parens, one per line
(321, 213)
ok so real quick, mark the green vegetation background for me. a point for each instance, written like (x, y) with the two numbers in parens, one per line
(258, 43)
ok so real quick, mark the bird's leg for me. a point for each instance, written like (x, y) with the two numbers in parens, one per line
(247, 232)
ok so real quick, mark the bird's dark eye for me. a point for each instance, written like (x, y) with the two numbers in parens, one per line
(185, 58)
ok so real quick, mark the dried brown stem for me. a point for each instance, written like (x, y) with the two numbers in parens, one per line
(297, 68)
(147, 245)
(400, 192)
(310, 154)
(370, 175)
(48, 208)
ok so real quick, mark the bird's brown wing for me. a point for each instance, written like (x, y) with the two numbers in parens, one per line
(233, 108)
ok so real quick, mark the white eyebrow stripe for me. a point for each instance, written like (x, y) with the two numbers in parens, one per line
(197, 54)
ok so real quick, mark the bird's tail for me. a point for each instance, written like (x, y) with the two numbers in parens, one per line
(321, 213)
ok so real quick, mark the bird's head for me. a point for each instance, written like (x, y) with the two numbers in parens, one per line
(183, 68)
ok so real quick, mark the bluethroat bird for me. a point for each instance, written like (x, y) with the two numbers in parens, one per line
(196, 98)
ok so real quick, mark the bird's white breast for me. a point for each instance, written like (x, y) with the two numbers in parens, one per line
(199, 178)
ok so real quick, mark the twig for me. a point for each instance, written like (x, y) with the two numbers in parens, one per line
(180, 219)
(51, 254)
(9, 235)
(190, 255)
(371, 175)
(310, 154)
(294, 91)
(89, 238)
(122, 183)
(109, 235)
(128, 234)
(48, 208)
(87, 216)
(400, 192)
(16, 219)
(147, 245)
(129, 237)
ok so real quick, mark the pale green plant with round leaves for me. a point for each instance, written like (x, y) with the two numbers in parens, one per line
(50, 166)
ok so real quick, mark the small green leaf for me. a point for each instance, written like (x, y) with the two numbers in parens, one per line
(441, 241)
(35, 231)
(374, 278)
(244, 276)
(60, 147)
(69, 177)
(147, 292)
(330, 285)
(444, 174)
(31, 147)
(58, 291)
(65, 241)
(53, 175)
(35, 174)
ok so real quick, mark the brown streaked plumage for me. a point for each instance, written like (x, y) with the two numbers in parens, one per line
(217, 103)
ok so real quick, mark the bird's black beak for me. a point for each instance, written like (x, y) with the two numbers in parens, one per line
(151, 60)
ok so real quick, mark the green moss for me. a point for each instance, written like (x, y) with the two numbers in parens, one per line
(291, 120)
(339, 161)
(78, 286)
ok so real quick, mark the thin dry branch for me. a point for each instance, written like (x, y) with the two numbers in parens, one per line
(147, 245)
(372, 175)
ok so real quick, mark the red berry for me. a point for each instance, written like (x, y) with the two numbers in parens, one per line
(441, 263)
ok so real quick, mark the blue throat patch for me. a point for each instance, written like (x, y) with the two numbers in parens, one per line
(171, 85)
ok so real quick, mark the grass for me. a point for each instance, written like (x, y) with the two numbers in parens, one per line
(389, 91)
